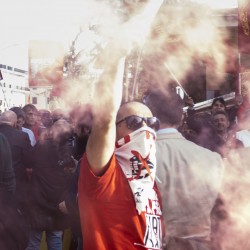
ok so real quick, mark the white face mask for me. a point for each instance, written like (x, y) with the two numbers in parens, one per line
(136, 156)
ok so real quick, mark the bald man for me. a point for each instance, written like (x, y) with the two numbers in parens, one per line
(118, 199)
(8, 117)
(21, 152)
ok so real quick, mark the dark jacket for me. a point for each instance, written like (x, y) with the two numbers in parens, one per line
(21, 151)
(50, 182)
(71, 202)
(7, 176)
(13, 230)
(20, 147)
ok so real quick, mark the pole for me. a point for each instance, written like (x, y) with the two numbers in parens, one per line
(238, 80)
(174, 77)
(135, 87)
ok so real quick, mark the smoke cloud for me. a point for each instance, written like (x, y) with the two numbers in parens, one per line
(175, 38)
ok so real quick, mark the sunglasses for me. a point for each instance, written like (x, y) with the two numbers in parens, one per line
(134, 122)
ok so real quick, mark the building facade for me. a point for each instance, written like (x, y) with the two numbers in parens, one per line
(14, 90)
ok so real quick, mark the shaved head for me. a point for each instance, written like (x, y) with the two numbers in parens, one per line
(9, 117)
(133, 108)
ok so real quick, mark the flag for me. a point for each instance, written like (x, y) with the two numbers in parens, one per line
(46, 60)
(244, 26)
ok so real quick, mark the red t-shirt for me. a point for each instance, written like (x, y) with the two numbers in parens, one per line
(109, 218)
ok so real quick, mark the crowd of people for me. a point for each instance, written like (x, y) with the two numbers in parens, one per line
(41, 155)
(136, 175)
(40, 151)
(218, 128)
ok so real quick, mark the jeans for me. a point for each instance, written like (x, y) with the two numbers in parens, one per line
(53, 239)
(79, 243)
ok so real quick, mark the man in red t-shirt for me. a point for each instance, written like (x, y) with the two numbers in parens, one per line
(119, 202)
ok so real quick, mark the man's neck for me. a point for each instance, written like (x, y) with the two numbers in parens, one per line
(224, 135)
(165, 125)
(167, 129)
(27, 126)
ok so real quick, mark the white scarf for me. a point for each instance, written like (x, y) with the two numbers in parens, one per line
(136, 156)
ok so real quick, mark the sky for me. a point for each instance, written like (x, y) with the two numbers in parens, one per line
(217, 4)
(33, 20)
(58, 20)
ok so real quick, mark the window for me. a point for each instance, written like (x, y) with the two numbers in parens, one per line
(34, 100)
(20, 71)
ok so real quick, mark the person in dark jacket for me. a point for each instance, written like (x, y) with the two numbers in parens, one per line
(7, 175)
(53, 170)
(21, 151)
(13, 229)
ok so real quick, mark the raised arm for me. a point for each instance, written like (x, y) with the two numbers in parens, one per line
(107, 99)
(108, 92)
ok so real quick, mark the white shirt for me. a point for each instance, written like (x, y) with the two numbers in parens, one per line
(31, 136)
(244, 136)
